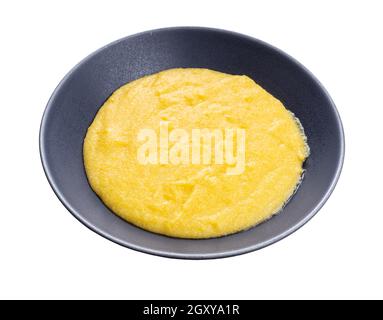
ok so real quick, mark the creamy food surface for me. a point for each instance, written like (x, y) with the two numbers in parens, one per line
(141, 158)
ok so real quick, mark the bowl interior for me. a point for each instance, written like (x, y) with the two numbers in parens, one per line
(77, 99)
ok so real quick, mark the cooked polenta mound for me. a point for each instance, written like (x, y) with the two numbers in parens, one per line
(162, 181)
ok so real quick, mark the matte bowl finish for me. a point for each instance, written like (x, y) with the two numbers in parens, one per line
(81, 93)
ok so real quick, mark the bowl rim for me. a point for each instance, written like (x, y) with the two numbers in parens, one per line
(169, 254)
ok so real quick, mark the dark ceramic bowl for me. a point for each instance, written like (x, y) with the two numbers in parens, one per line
(80, 94)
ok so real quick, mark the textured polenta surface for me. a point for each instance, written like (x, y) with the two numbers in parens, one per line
(194, 201)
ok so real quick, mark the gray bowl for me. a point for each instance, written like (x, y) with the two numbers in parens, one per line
(84, 89)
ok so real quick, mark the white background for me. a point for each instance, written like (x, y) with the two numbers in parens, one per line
(46, 253)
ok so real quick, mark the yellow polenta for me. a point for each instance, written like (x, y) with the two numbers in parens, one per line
(186, 199)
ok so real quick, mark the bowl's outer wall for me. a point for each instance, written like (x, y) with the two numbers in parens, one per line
(77, 99)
